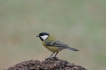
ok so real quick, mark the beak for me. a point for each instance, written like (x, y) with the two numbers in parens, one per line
(37, 36)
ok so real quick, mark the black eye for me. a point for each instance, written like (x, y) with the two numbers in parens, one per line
(40, 34)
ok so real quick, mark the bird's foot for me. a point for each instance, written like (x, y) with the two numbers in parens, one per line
(55, 58)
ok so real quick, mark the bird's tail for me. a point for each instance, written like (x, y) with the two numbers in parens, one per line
(72, 49)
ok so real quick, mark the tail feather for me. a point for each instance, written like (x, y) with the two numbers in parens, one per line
(72, 49)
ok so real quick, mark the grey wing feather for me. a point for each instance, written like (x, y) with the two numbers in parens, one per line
(61, 45)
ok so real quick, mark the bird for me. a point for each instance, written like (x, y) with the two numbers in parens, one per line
(52, 44)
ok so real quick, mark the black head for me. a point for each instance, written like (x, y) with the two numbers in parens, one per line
(43, 35)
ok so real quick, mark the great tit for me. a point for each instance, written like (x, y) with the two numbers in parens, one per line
(52, 44)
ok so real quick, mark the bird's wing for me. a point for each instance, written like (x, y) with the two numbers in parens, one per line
(59, 44)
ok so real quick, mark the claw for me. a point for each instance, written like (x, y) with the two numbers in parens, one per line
(56, 58)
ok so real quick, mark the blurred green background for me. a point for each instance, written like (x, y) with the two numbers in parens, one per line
(79, 23)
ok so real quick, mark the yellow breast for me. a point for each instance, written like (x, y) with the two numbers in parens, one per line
(51, 48)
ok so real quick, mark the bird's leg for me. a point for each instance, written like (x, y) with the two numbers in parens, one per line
(51, 54)
(55, 56)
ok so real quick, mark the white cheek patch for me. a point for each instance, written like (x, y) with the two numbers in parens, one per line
(44, 37)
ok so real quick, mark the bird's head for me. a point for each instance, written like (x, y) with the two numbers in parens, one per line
(43, 36)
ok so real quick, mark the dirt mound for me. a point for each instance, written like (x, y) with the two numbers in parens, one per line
(47, 64)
